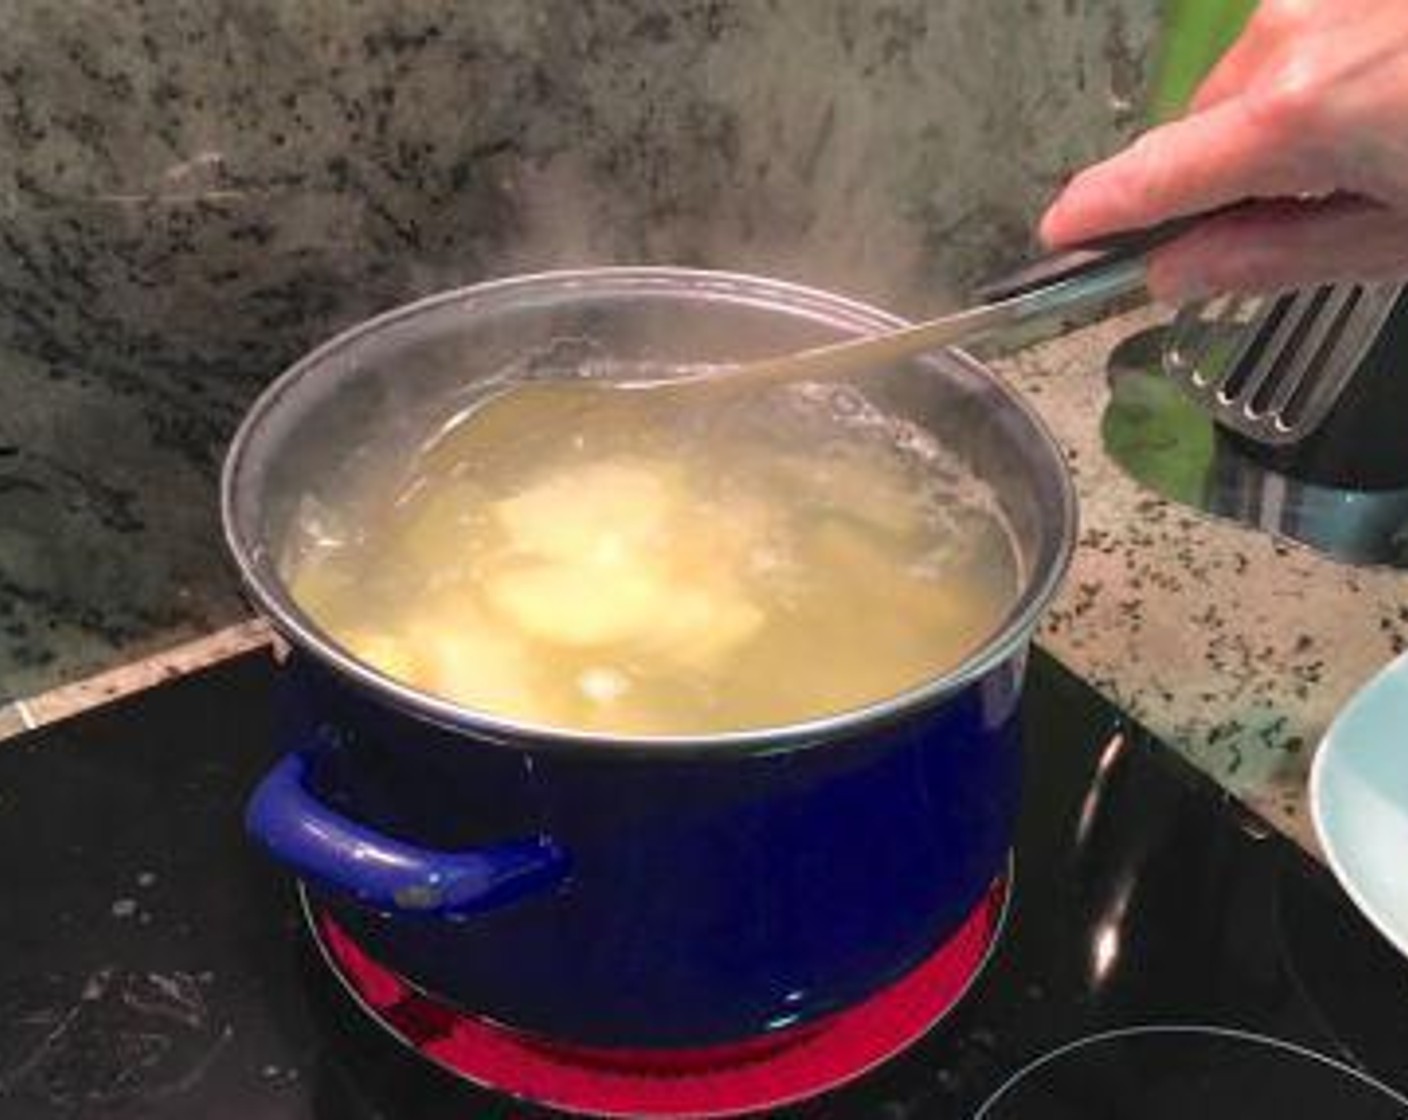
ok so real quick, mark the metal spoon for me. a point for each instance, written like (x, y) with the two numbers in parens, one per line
(1094, 276)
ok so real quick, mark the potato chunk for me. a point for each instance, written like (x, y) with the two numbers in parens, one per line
(600, 512)
(703, 626)
(465, 658)
(581, 604)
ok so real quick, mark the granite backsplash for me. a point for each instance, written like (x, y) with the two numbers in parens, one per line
(192, 193)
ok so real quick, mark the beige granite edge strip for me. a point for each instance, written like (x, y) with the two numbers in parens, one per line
(14, 718)
(79, 696)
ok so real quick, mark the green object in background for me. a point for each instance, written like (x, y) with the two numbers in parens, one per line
(1156, 433)
(1151, 428)
(1195, 34)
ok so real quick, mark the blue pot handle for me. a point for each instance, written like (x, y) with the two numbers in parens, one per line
(385, 874)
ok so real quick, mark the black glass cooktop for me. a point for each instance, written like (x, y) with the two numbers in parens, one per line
(1166, 954)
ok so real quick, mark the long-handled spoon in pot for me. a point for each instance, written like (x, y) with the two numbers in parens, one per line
(1095, 276)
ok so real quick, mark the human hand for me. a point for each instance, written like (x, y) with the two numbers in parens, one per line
(1308, 115)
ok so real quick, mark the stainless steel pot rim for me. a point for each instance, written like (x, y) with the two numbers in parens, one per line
(272, 600)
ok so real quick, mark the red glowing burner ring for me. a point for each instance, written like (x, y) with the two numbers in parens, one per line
(720, 1081)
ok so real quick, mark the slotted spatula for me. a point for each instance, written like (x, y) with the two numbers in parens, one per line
(1273, 368)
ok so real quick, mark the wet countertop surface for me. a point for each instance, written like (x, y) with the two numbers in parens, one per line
(1234, 648)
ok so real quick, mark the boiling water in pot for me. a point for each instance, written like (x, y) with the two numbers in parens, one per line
(640, 563)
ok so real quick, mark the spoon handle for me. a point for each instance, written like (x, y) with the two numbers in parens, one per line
(1092, 256)
(1094, 275)
(1093, 286)
(1100, 252)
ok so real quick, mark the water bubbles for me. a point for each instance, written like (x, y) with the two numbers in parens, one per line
(846, 403)
(319, 524)
(572, 356)
(603, 684)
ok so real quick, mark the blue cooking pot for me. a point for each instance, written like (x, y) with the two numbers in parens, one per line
(663, 891)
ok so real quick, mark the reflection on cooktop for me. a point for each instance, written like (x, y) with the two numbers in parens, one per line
(758, 1075)
(1357, 986)
(1186, 1072)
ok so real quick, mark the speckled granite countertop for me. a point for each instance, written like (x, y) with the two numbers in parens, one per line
(1234, 648)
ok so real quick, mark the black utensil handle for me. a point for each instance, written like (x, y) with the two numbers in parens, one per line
(1098, 253)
